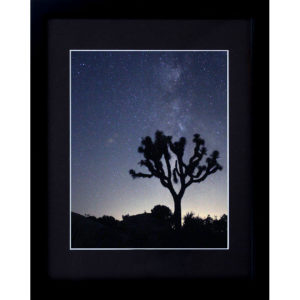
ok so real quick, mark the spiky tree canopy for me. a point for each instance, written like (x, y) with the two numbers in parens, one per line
(157, 160)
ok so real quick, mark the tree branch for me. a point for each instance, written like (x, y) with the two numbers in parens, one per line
(141, 175)
(155, 151)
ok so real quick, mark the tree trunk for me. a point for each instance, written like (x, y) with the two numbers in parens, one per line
(177, 213)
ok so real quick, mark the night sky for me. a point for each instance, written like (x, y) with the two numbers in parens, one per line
(119, 97)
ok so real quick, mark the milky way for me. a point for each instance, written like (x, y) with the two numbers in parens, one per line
(119, 97)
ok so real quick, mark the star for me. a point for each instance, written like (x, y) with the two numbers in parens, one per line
(121, 96)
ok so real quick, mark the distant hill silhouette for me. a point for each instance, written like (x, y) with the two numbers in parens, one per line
(148, 230)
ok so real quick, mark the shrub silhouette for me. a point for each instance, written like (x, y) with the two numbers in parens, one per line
(108, 221)
(161, 212)
(150, 230)
(205, 232)
(125, 217)
(157, 159)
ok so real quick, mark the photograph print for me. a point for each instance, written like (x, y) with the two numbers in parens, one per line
(149, 149)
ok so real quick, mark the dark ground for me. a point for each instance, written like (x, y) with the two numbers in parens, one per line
(148, 230)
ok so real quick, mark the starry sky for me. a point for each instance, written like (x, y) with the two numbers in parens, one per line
(119, 97)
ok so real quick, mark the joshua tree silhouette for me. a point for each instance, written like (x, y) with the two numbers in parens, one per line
(157, 159)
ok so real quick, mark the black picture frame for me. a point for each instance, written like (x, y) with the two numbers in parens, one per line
(49, 156)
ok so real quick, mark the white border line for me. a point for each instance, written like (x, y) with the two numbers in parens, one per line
(227, 149)
(144, 50)
(70, 150)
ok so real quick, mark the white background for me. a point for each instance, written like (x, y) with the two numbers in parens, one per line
(285, 149)
(284, 155)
